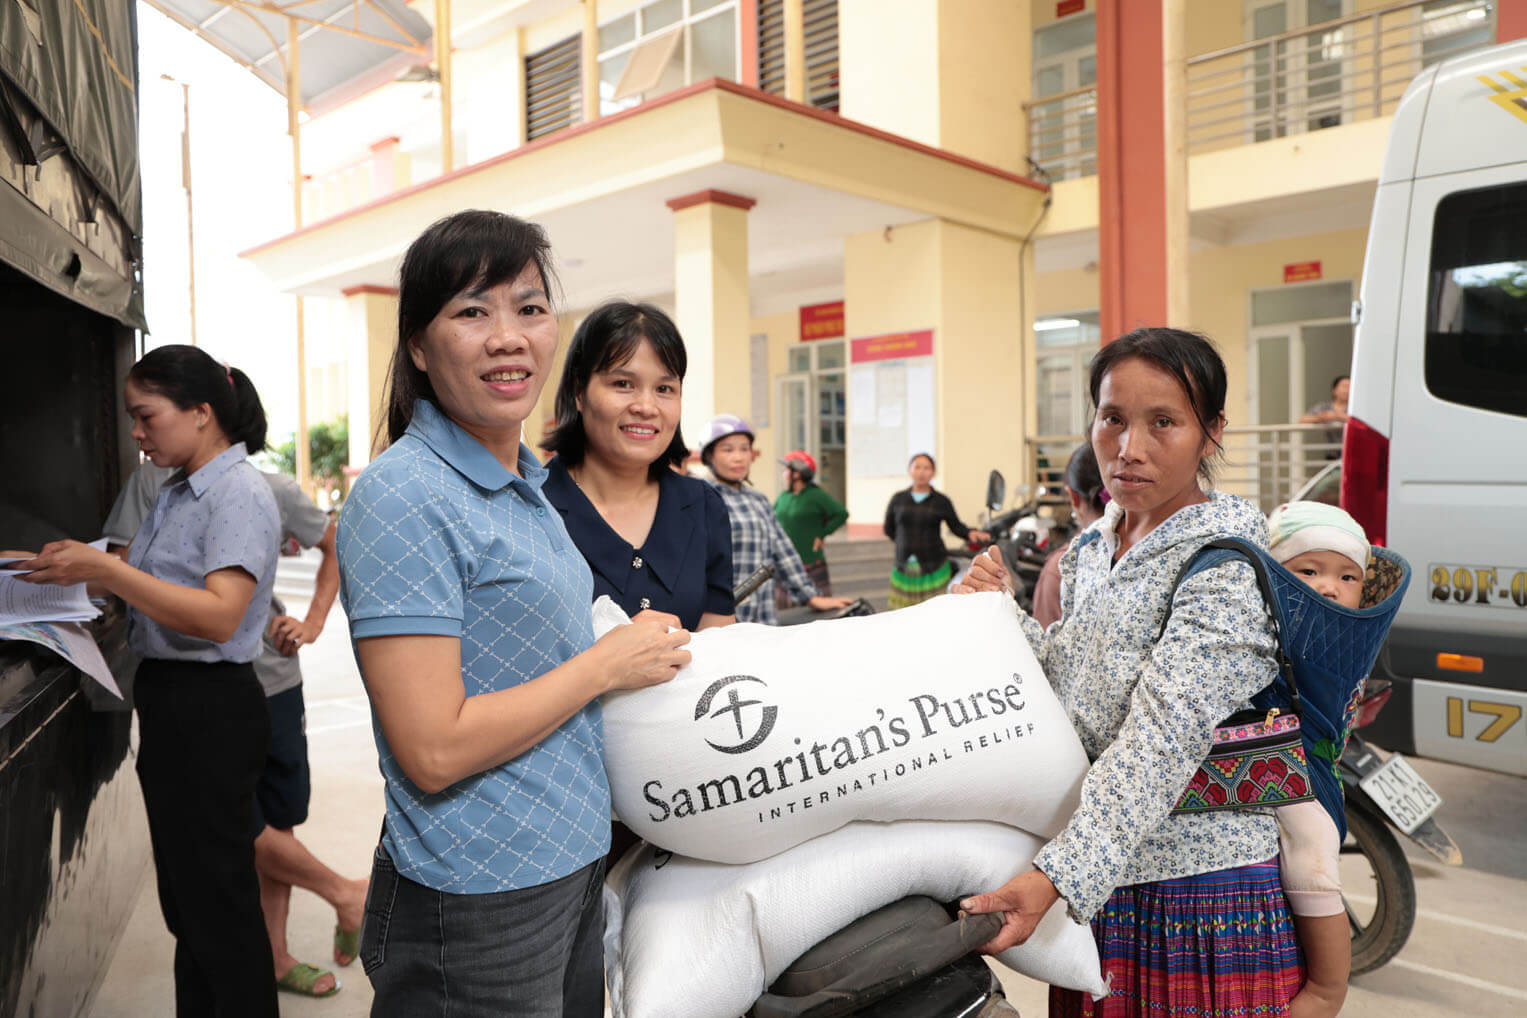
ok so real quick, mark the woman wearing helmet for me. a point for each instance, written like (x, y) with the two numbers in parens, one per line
(808, 514)
(757, 538)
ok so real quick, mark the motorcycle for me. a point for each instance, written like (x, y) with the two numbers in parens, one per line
(1022, 535)
(1385, 794)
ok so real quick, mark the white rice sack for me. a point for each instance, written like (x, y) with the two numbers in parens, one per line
(691, 939)
(771, 737)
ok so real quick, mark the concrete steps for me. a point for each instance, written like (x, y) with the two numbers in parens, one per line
(296, 574)
(861, 567)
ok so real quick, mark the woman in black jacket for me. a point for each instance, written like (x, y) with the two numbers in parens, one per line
(912, 520)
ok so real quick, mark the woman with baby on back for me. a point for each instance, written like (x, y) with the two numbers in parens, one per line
(1188, 909)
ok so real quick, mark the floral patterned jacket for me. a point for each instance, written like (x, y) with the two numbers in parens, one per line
(1146, 711)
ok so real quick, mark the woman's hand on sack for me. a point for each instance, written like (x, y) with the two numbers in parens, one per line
(645, 653)
(671, 621)
(986, 573)
(1023, 902)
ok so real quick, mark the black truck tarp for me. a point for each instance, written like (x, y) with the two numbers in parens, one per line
(72, 216)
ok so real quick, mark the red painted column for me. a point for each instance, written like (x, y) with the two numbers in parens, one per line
(1132, 265)
(747, 56)
(1510, 20)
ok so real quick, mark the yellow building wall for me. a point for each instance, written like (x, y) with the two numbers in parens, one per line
(963, 284)
(963, 93)
(889, 70)
(1222, 281)
(1066, 290)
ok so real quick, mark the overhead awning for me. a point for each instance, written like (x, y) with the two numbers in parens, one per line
(345, 46)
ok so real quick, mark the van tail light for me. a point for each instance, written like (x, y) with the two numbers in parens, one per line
(1365, 478)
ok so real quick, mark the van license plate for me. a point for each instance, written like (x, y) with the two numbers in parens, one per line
(1401, 793)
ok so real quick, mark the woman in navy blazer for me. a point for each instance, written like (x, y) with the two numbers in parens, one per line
(654, 539)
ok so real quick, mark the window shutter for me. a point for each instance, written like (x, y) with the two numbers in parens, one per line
(554, 88)
(821, 24)
(771, 46)
(822, 54)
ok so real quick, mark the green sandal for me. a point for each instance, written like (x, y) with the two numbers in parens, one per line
(301, 978)
(347, 944)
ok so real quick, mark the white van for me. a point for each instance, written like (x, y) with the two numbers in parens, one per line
(1434, 461)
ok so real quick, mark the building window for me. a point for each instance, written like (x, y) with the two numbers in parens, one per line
(821, 28)
(1063, 116)
(1067, 342)
(665, 45)
(1450, 27)
(1476, 307)
(553, 88)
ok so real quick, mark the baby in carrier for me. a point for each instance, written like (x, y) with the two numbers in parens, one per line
(1326, 549)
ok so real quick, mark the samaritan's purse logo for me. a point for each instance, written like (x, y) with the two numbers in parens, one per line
(736, 708)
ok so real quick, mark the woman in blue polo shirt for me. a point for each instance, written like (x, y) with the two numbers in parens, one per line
(654, 538)
(469, 609)
(197, 580)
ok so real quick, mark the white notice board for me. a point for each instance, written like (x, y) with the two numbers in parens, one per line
(891, 415)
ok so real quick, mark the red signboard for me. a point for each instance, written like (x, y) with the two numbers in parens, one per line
(893, 346)
(1301, 272)
(822, 321)
(1070, 7)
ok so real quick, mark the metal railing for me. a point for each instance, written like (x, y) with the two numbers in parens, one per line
(1267, 465)
(1338, 72)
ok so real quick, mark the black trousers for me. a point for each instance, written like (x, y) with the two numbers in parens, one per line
(203, 730)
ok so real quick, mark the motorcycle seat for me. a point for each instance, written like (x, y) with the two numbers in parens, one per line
(873, 957)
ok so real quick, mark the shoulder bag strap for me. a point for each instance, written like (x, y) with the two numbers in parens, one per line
(1221, 550)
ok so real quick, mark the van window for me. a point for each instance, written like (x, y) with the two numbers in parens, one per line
(1476, 302)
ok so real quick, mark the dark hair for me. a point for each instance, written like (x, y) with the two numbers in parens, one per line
(1338, 380)
(923, 456)
(608, 338)
(1186, 356)
(474, 249)
(1084, 478)
(188, 376)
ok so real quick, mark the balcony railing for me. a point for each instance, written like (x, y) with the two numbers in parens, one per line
(1338, 72)
(1267, 465)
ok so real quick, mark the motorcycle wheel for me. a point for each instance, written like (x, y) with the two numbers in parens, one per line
(1381, 936)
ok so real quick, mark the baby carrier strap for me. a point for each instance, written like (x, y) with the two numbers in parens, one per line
(1218, 552)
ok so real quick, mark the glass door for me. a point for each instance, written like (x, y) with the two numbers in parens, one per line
(813, 410)
(1297, 81)
(1065, 131)
(1295, 366)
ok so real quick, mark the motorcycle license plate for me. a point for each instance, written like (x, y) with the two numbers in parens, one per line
(1401, 793)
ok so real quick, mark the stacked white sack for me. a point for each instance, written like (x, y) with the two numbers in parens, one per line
(771, 737)
(691, 939)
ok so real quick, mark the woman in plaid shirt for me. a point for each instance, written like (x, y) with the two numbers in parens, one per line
(757, 537)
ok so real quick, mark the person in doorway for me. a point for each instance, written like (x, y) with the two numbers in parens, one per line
(757, 538)
(1088, 497)
(469, 612)
(808, 514)
(914, 519)
(1146, 709)
(281, 797)
(654, 538)
(1332, 411)
(197, 581)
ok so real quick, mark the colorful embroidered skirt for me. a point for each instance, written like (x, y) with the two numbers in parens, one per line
(1215, 945)
(910, 585)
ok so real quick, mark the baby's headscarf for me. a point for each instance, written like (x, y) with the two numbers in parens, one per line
(1299, 527)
